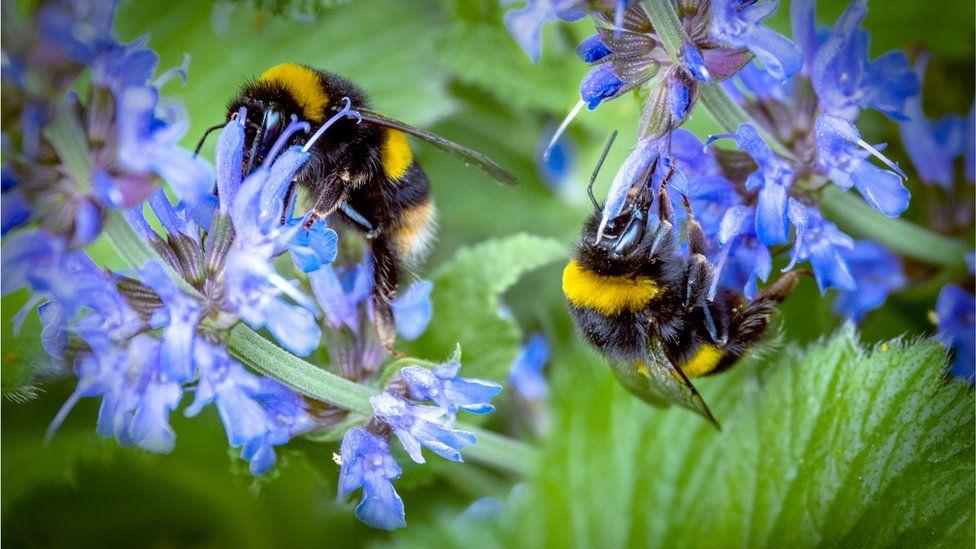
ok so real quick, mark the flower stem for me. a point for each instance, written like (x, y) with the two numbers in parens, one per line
(667, 25)
(900, 236)
(260, 354)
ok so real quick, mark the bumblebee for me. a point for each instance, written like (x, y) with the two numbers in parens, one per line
(646, 307)
(362, 171)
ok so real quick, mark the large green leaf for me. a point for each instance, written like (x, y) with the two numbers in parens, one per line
(466, 302)
(837, 446)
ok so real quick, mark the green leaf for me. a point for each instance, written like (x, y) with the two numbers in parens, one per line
(466, 302)
(836, 446)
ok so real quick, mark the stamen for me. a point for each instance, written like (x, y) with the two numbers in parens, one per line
(347, 110)
(562, 128)
(64, 411)
(293, 127)
(168, 75)
(877, 154)
(715, 137)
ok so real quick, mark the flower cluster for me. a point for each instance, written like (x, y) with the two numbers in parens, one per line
(140, 339)
(105, 152)
(366, 458)
(804, 97)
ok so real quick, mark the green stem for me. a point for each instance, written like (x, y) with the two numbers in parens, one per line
(667, 25)
(260, 354)
(264, 356)
(900, 236)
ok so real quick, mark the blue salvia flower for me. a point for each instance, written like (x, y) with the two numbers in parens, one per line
(878, 273)
(258, 413)
(738, 23)
(344, 296)
(772, 182)
(137, 396)
(443, 387)
(843, 77)
(821, 242)
(525, 24)
(417, 426)
(955, 313)
(932, 145)
(847, 166)
(743, 260)
(526, 373)
(367, 463)
(131, 136)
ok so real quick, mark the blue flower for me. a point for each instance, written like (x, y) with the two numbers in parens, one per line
(526, 373)
(773, 181)
(14, 211)
(81, 29)
(443, 387)
(933, 145)
(341, 295)
(555, 163)
(137, 397)
(600, 84)
(956, 314)
(368, 464)
(258, 413)
(820, 242)
(846, 82)
(843, 154)
(696, 63)
(878, 273)
(738, 23)
(148, 137)
(525, 25)
(592, 49)
(179, 317)
(416, 426)
(412, 311)
(742, 260)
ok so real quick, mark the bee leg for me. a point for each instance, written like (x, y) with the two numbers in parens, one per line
(749, 320)
(666, 214)
(700, 272)
(386, 271)
(697, 243)
(333, 196)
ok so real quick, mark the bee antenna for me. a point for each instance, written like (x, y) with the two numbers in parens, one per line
(596, 170)
(206, 134)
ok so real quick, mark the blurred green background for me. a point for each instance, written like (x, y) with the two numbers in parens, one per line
(448, 66)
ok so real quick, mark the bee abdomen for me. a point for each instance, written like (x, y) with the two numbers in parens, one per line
(414, 232)
(395, 154)
(607, 295)
(703, 361)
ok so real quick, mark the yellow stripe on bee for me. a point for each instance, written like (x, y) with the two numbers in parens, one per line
(395, 154)
(705, 360)
(608, 295)
(304, 86)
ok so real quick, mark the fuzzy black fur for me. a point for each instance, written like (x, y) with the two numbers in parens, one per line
(346, 167)
(681, 316)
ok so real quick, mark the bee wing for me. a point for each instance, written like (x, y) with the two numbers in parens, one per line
(658, 382)
(469, 156)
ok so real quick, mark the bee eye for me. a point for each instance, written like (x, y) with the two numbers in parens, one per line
(272, 127)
